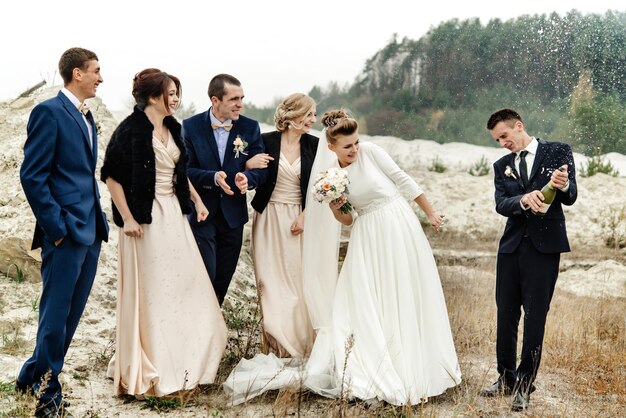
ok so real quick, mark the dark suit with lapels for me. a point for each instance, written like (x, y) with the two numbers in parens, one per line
(528, 258)
(219, 237)
(58, 178)
(308, 148)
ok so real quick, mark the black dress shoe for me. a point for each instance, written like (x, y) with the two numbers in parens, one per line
(22, 388)
(51, 410)
(521, 401)
(523, 390)
(499, 388)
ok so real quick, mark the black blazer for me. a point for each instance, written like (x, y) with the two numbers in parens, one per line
(308, 148)
(547, 233)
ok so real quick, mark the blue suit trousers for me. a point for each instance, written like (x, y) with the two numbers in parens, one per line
(68, 272)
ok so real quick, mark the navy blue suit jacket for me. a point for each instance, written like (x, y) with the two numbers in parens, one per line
(58, 174)
(204, 162)
(548, 233)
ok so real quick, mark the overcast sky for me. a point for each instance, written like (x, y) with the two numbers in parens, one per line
(274, 47)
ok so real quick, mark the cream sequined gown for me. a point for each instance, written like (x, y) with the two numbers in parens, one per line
(170, 331)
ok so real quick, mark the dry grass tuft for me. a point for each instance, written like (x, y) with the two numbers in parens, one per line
(244, 334)
(588, 342)
(11, 338)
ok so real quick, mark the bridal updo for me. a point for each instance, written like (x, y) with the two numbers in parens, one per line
(292, 107)
(338, 122)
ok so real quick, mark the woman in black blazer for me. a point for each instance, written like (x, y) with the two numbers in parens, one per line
(278, 224)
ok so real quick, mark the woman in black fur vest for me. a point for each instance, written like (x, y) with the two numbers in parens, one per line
(170, 331)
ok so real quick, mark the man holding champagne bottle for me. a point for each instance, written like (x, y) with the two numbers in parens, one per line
(530, 247)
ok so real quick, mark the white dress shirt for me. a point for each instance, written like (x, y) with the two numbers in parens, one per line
(76, 103)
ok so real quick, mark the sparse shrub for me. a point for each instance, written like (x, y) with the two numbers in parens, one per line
(480, 168)
(613, 223)
(15, 405)
(100, 357)
(238, 316)
(81, 375)
(162, 404)
(12, 341)
(597, 164)
(242, 319)
(437, 165)
(6, 388)
(19, 276)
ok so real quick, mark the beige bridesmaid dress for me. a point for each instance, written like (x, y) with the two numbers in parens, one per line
(277, 255)
(170, 330)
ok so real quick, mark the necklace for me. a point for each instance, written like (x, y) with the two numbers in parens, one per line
(159, 136)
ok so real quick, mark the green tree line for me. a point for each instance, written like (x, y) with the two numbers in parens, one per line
(566, 75)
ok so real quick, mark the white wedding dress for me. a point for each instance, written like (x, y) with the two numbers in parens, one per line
(388, 336)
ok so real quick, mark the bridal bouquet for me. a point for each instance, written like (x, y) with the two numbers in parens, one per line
(330, 185)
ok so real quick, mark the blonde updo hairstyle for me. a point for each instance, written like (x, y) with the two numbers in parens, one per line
(292, 107)
(338, 122)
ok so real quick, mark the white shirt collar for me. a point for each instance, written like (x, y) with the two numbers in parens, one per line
(213, 119)
(71, 96)
(531, 147)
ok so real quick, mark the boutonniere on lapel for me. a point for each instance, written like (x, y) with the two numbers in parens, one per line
(508, 171)
(240, 146)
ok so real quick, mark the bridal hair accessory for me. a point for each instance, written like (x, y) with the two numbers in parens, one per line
(84, 108)
(331, 185)
(508, 171)
(240, 146)
(332, 122)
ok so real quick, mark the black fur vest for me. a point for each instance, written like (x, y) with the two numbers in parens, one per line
(130, 160)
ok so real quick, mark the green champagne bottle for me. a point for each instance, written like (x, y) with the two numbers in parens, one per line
(549, 193)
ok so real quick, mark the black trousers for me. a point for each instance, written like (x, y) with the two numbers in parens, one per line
(524, 279)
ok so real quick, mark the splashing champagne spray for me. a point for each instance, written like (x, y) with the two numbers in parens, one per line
(549, 193)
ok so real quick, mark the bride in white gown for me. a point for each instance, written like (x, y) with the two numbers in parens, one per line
(385, 332)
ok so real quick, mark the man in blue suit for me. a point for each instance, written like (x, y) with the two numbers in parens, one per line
(530, 248)
(58, 178)
(219, 142)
